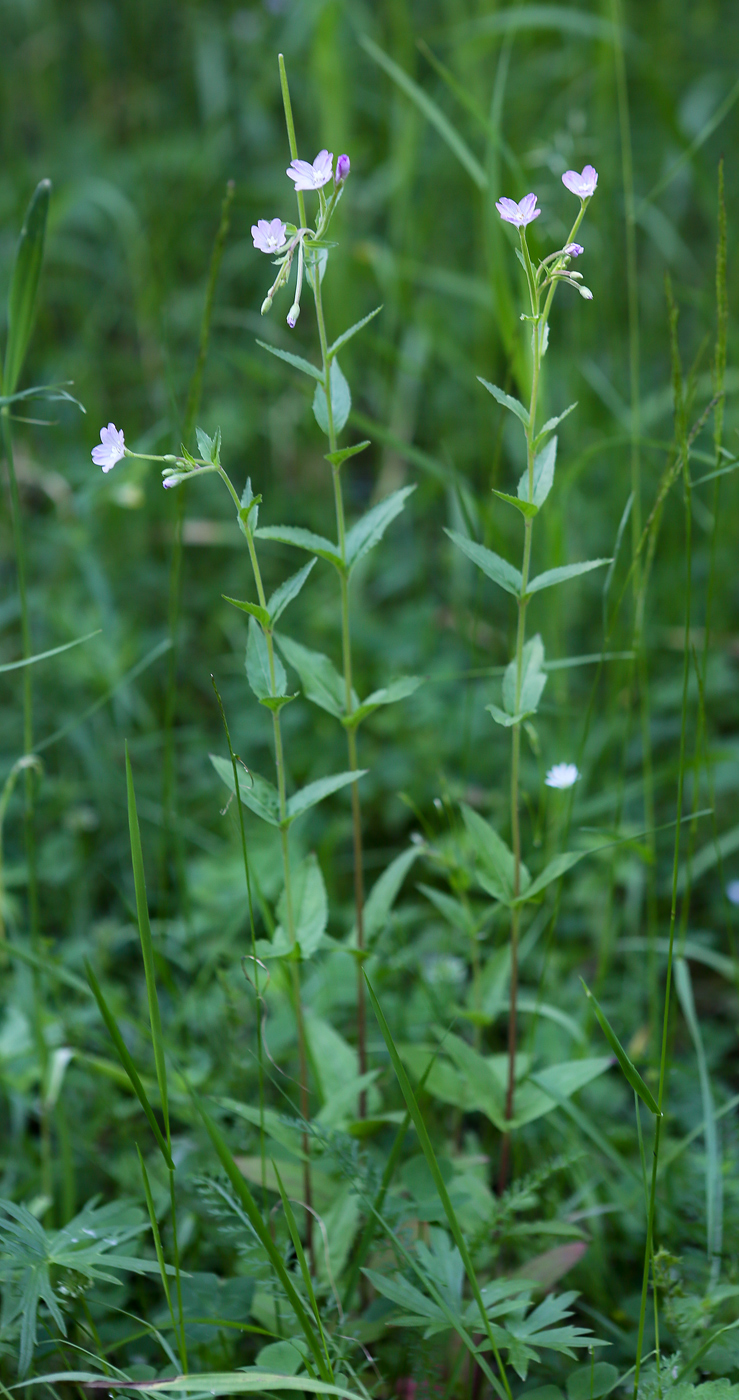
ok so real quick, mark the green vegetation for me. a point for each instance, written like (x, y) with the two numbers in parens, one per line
(368, 842)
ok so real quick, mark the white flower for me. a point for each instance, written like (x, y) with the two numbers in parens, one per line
(732, 891)
(111, 449)
(562, 775)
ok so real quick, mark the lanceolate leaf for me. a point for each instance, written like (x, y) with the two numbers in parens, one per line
(319, 678)
(296, 361)
(499, 570)
(310, 905)
(352, 331)
(24, 284)
(551, 872)
(533, 679)
(553, 423)
(344, 453)
(384, 893)
(256, 792)
(506, 400)
(258, 667)
(253, 609)
(561, 575)
(341, 401)
(286, 592)
(543, 475)
(302, 539)
(397, 690)
(496, 864)
(526, 508)
(629, 1068)
(315, 792)
(367, 531)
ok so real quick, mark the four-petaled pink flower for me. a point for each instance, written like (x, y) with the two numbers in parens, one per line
(315, 176)
(582, 185)
(268, 235)
(574, 250)
(518, 214)
(110, 449)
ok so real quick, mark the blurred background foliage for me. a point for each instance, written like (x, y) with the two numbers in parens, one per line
(140, 113)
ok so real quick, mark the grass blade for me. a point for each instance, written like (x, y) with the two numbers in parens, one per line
(630, 1071)
(178, 1331)
(24, 284)
(147, 945)
(714, 1184)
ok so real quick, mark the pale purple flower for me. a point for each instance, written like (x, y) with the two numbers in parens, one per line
(343, 166)
(581, 185)
(268, 235)
(732, 891)
(573, 250)
(292, 315)
(315, 176)
(110, 449)
(562, 775)
(518, 214)
(173, 480)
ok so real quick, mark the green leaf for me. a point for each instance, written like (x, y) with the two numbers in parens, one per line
(302, 539)
(499, 570)
(433, 114)
(501, 717)
(286, 592)
(494, 856)
(253, 609)
(258, 668)
(347, 335)
(384, 893)
(341, 401)
(543, 475)
(526, 508)
(319, 678)
(592, 1382)
(256, 792)
(630, 1071)
(553, 423)
(533, 680)
(310, 905)
(210, 447)
(714, 1188)
(124, 1056)
(252, 1381)
(513, 405)
(296, 361)
(44, 655)
(337, 458)
(147, 945)
(399, 689)
(315, 792)
(561, 575)
(24, 284)
(369, 530)
(552, 871)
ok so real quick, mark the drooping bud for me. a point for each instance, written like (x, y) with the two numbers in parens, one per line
(343, 166)
(293, 314)
(266, 305)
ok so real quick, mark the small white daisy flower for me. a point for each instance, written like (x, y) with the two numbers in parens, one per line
(562, 775)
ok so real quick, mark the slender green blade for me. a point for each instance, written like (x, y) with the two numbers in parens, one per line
(631, 1073)
(24, 284)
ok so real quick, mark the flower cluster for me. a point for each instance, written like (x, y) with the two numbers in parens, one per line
(555, 267)
(273, 236)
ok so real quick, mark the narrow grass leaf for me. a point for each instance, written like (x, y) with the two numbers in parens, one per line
(714, 1181)
(300, 1256)
(24, 284)
(44, 655)
(160, 1255)
(630, 1071)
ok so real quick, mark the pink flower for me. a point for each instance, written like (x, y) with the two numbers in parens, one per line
(581, 185)
(315, 176)
(518, 214)
(574, 250)
(268, 235)
(343, 166)
(112, 447)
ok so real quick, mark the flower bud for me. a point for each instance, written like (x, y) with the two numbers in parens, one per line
(266, 305)
(343, 166)
(293, 314)
(174, 479)
(586, 293)
(573, 250)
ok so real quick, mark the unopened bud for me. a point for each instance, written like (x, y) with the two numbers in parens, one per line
(573, 250)
(293, 314)
(343, 166)
(266, 305)
(586, 293)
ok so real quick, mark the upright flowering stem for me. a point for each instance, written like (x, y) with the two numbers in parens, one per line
(351, 733)
(282, 793)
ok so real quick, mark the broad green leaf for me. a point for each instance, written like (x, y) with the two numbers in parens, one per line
(553, 871)
(482, 1083)
(592, 1382)
(258, 668)
(495, 857)
(275, 1126)
(336, 459)
(450, 909)
(561, 575)
(280, 1357)
(384, 893)
(341, 401)
(525, 507)
(352, 331)
(367, 531)
(310, 905)
(24, 284)
(315, 792)
(253, 609)
(533, 679)
(296, 361)
(543, 475)
(319, 678)
(147, 944)
(302, 539)
(553, 423)
(256, 792)
(499, 570)
(336, 1061)
(506, 401)
(398, 689)
(501, 717)
(286, 592)
(433, 114)
(630, 1071)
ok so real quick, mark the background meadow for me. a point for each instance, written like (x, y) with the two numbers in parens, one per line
(140, 114)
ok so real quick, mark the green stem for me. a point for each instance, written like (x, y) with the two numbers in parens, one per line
(351, 734)
(284, 841)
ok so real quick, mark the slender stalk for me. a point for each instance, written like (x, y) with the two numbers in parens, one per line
(351, 733)
(282, 794)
